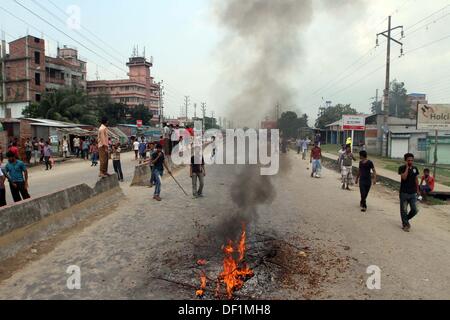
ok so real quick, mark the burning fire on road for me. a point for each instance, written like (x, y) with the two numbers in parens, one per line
(235, 270)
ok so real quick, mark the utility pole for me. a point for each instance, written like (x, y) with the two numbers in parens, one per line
(203, 114)
(161, 103)
(186, 105)
(388, 34)
(195, 110)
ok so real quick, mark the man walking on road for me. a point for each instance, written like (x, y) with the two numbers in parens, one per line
(347, 168)
(364, 178)
(159, 162)
(103, 145)
(409, 191)
(316, 156)
(17, 175)
(305, 146)
(197, 172)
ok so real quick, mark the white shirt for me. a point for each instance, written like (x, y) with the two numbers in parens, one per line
(76, 142)
(166, 132)
(136, 146)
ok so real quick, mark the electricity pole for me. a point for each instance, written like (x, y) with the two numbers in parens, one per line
(388, 34)
(186, 105)
(161, 103)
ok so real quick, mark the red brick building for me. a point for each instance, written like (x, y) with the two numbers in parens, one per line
(24, 75)
(27, 73)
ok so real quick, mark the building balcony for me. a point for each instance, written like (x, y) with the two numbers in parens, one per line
(55, 80)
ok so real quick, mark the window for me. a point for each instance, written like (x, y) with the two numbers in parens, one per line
(38, 97)
(62, 76)
(37, 79)
(37, 57)
(422, 145)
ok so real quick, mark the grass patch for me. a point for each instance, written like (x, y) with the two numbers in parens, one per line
(436, 202)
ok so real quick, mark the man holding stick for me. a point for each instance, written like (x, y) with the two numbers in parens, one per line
(159, 162)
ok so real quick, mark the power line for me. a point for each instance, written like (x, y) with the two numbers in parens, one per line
(67, 35)
(90, 32)
(80, 34)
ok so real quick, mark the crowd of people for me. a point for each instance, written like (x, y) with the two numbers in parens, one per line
(411, 190)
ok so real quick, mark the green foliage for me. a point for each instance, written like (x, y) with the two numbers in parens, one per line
(290, 125)
(398, 101)
(74, 105)
(333, 114)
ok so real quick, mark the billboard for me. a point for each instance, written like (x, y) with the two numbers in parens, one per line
(354, 122)
(433, 117)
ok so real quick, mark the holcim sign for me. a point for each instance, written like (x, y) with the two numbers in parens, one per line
(433, 117)
(354, 122)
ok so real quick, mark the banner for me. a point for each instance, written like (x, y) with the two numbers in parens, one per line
(433, 117)
(354, 122)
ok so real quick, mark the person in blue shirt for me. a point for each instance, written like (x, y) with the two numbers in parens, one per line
(17, 174)
(142, 150)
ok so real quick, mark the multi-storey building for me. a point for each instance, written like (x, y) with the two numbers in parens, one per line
(65, 70)
(23, 75)
(27, 73)
(138, 89)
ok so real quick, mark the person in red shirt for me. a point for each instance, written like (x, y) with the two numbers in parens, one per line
(429, 183)
(14, 149)
(316, 157)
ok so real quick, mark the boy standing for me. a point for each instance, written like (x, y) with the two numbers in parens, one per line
(17, 175)
(197, 171)
(47, 156)
(116, 161)
(364, 178)
(409, 190)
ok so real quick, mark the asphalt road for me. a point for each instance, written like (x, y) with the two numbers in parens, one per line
(121, 255)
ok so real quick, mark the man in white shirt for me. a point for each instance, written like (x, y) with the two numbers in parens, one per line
(136, 149)
(76, 146)
(166, 136)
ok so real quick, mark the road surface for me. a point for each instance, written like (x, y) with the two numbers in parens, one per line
(122, 255)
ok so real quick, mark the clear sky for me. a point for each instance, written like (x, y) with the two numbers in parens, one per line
(339, 62)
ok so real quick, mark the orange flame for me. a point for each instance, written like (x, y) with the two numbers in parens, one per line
(201, 292)
(235, 272)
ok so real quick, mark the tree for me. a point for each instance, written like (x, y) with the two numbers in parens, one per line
(290, 124)
(140, 112)
(398, 101)
(32, 111)
(333, 114)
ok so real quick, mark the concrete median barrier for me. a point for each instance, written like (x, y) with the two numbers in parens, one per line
(37, 219)
(141, 176)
